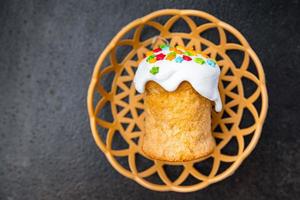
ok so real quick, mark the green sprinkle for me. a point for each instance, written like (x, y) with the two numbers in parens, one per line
(172, 53)
(150, 57)
(199, 61)
(162, 46)
(188, 53)
(154, 70)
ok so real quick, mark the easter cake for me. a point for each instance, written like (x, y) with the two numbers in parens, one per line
(180, 86)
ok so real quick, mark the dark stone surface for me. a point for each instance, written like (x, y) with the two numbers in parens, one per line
(47, 53)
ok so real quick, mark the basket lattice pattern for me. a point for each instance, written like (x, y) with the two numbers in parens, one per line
(116, 109)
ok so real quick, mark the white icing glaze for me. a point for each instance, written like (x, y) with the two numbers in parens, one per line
(203, 77)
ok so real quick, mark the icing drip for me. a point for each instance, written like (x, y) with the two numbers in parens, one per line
(170, 66)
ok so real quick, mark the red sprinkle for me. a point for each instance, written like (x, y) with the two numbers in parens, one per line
(157, 50)
(187, 58)
(160, 56)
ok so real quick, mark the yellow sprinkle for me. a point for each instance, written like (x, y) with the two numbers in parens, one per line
(180, 48)
(170, 57)
(190, 49)
(149, 53)
(192, 52)
(178, 51)
(153, 60)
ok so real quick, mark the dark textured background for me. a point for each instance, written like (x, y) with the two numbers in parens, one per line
(47, 53)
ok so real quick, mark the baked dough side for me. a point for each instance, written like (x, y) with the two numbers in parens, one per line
(177, 124)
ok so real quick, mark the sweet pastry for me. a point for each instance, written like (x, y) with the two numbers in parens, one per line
(180, 85)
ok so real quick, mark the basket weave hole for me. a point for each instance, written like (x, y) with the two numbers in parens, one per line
(173, 171)
(231, 148)
(142, 163)
(107, 80)
(123, 161)
(155, 179)
(247, 119)
(249, 86)
(148, 32)
(231, 38)
(181, 26)
(199, 20)
(211, 35)
(236, 56)
(122, 52)
(102, 132)
(205, 166)
(105, 113)
(190, 180)
(223, 167)
(248, 139)
(118, 142)
(106, 75)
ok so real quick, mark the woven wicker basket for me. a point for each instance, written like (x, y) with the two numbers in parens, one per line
(116, 109)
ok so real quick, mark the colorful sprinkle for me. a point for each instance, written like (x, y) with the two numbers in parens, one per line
(160, 56)
(157, 50)
(178, 47)
(178, 54)
(192, 52)
(178, 51)
(178, 59)
(153, 60)
(188, 53)
(187, 58)
(199, 61)
(171, 56)
(211, 62)
(149, 53)
(190, 49)
(154, 70)
(150, 57)
(164, 47)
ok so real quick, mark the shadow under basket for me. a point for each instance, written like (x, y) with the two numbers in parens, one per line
(116, 110)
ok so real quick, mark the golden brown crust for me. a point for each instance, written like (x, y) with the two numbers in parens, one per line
(178, 124)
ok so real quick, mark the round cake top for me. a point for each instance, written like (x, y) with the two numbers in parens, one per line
(169, 66)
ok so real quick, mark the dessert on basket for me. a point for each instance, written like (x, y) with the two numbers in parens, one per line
(180, 87)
